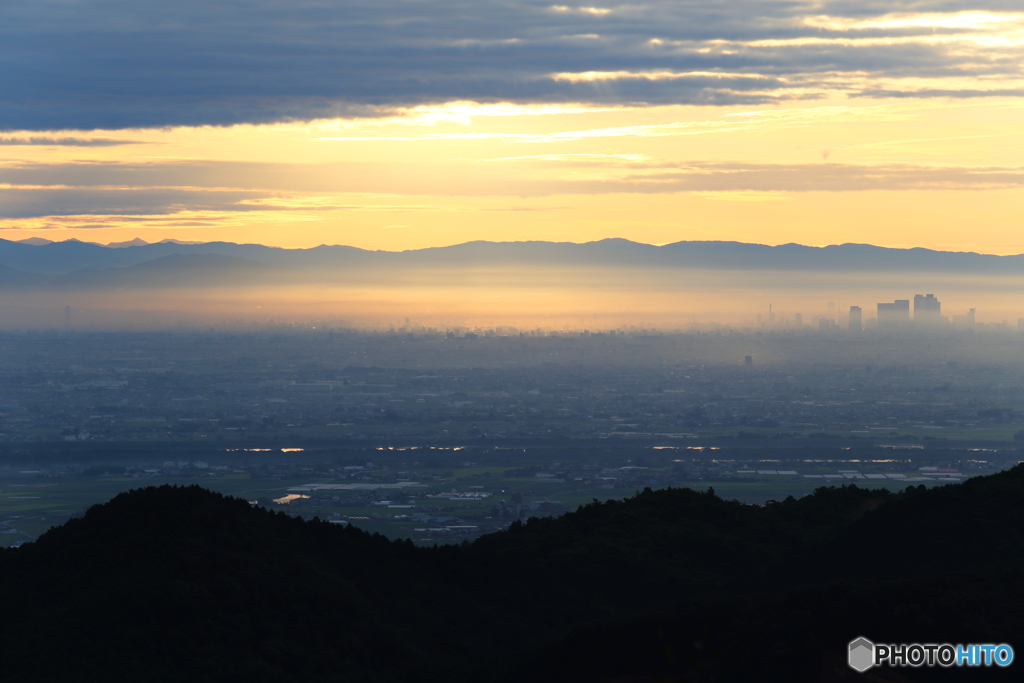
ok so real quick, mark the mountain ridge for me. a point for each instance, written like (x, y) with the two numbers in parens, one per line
(72, 255)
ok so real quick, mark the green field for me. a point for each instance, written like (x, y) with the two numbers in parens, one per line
(30, 503)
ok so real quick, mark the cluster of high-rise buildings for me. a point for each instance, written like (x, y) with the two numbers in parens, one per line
(892, 316)
(895, 316)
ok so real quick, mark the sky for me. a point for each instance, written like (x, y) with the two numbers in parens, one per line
(408, 124)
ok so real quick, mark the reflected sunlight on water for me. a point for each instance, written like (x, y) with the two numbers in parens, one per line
(289, 498)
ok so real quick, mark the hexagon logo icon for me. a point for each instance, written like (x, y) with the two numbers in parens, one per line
(861, 654)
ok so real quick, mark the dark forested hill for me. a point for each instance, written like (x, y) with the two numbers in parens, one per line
(172, 584)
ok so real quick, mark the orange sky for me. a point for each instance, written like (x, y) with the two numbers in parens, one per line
(821, 160)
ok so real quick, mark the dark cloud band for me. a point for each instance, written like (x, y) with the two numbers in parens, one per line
(110, 64)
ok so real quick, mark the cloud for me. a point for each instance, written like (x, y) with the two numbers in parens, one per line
(823, 177)
(116, 64)
(743, 196)
(574, 157)
(66, 142)
(737, 121)
(17, 202)
(310, 191)
(962, 93)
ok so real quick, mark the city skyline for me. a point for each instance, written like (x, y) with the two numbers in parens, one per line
(612, 284)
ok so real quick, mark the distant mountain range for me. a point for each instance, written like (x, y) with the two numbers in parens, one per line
(72, 263)
(171, 271)
(137, 242)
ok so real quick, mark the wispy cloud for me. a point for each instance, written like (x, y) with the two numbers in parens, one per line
(744, 196)
(575, 158)
(272, 189)
(735, 121)
(593, 76)
(39, 141)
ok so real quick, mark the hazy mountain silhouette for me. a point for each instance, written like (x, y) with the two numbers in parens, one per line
(172, 271)
(169, 584)
(11, 277)
(137, 242)
(175, 270)
(71, 255)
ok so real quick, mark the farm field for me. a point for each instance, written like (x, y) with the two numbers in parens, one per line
(430, 505)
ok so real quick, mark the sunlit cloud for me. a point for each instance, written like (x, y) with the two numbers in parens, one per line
(337, 203)
(763, 119)
(591, 76)
(920, 141)
(982, 40)
(180, 220)
(580, 157)
(463, 113)
(735, 181)
(953, 20)
(596, 11)
(40, 141)
(744, 196)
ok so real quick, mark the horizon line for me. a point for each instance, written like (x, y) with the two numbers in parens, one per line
(126, 245)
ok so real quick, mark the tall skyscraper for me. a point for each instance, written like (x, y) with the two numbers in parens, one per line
(894, 316)
(67, 317)
(903, 309)
(927, 310)
(966, 320)
(856, 323)
(798, 319)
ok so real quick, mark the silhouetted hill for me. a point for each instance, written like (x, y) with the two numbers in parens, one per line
(974, 526)
(939, 565)
(670, 545)
(183, 584)
(175, 584)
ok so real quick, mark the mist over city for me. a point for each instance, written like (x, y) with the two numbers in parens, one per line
(506, 288)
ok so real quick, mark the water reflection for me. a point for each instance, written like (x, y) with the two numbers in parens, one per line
(289, 498)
